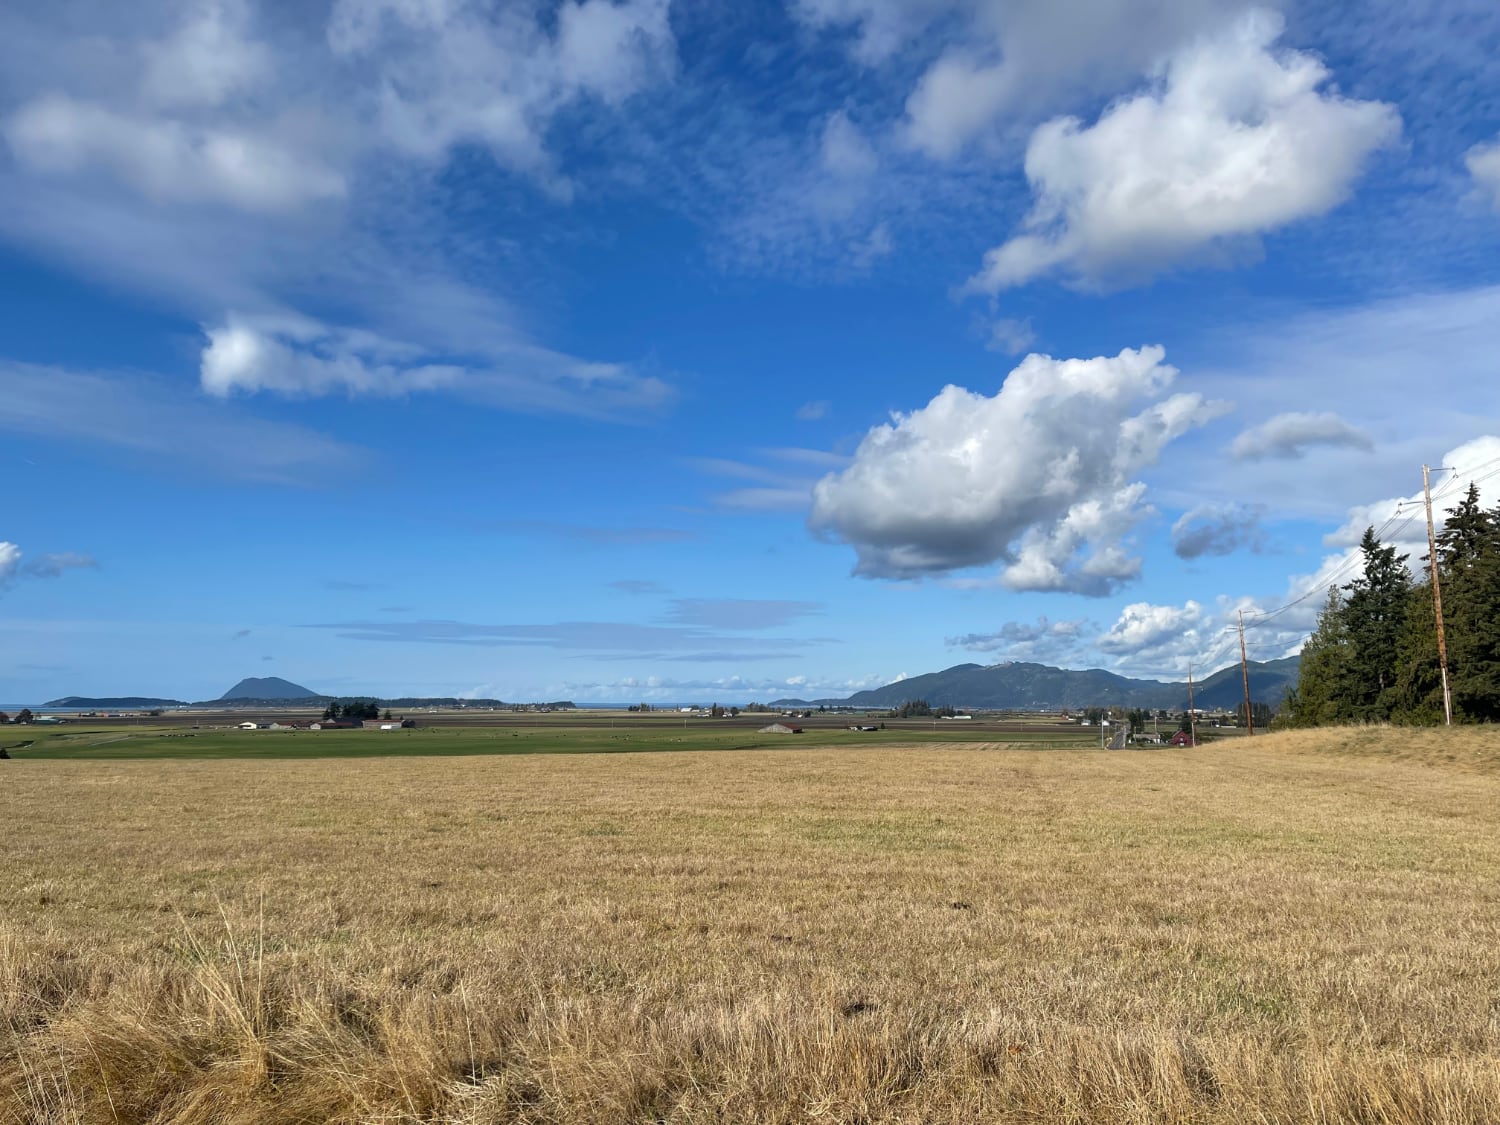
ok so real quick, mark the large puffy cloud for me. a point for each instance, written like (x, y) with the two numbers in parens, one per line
(1483, 162)
(1143, 626)
(1234, 140)
(1038, 476)
(1003, 60)
(1290, 435)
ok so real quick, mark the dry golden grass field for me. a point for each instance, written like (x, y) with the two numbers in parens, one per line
(1305, 928)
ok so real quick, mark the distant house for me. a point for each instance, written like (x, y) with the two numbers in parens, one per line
(388, 724)
(1182, 738)
(332, 724)
(780, 728)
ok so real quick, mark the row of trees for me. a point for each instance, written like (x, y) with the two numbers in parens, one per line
(354, 710)
(24, 715)
(1374, 655)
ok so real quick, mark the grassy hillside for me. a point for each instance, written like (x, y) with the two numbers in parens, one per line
(1462, 747)
(1273, 930)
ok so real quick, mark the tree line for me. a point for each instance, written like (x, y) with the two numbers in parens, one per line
(1374, 654)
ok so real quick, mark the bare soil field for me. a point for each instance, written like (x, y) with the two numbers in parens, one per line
(1300, 928)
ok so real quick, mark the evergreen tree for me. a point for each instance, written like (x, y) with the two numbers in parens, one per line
(1375, 618)
(1419, 685)
(1318, 700)
(1469, 567)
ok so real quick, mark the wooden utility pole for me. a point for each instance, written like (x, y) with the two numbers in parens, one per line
(1245, 674)
(1192, 708)
(1437, 597)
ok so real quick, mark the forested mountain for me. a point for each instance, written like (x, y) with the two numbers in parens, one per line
(267, 688)
(1024, 686)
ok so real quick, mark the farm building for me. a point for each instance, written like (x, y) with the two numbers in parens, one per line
(388, 724)
(1183, 738)
(780, 728)
(247, 725)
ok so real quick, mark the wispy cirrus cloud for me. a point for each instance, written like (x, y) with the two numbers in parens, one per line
(608, 640)
(739, 613)
(151, 418)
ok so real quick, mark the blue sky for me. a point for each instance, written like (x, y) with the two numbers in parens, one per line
(688, 351)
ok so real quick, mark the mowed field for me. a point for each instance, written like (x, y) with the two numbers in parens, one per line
(1292, 928)
(459, 733)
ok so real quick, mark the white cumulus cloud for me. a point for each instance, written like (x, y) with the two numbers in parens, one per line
(1234, 139)
(1290, 435)
(10, 561)
(1143, 626)
(1037, 476)
(1004, 62)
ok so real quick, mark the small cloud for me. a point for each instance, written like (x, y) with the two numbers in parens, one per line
(12, 566)
(10, 561)
(54, 566)
(865, 252)
(1010, 336)
(1287, 437)
(1218, 529)
(813, 411)
(638, 586)
(1043, 640)
(1483, 162)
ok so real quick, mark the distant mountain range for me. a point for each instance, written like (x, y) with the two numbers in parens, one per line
(266, 691)
(1020, 686)
(114, 703)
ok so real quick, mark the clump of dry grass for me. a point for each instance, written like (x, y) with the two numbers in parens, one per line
(1247, 933)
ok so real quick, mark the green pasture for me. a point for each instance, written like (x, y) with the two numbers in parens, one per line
(104, 742)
